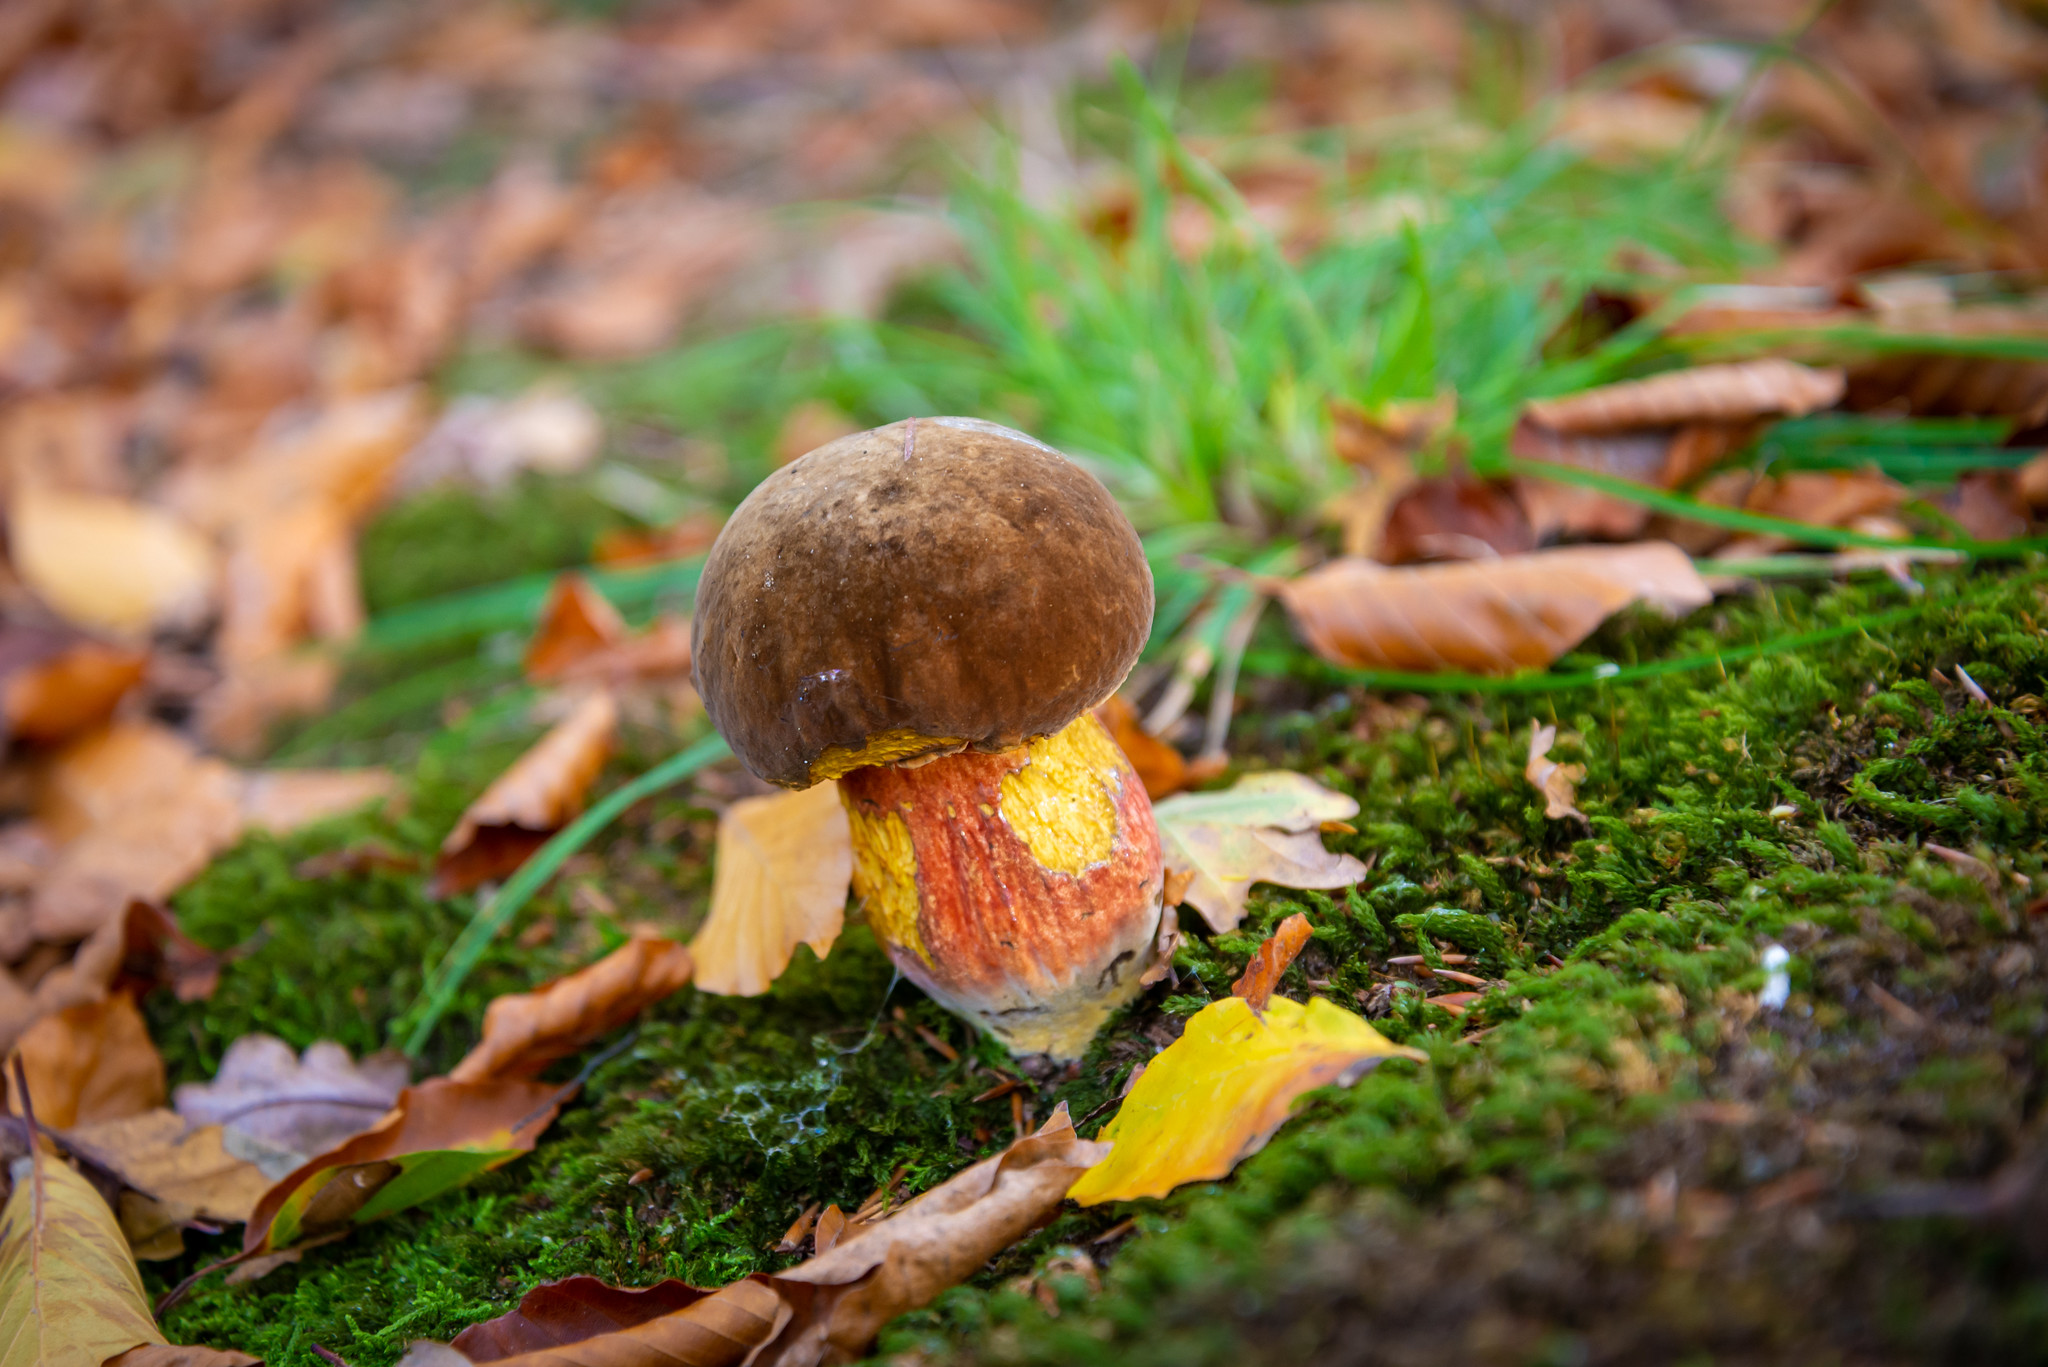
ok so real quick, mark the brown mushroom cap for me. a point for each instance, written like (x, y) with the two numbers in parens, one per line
(929, 586)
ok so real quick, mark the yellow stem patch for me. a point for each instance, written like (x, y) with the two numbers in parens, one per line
(1062, 803)
(884, 747)
(885, 875)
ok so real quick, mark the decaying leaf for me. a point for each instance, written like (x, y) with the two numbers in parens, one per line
(1262, 830)
(1381, 446)
(1708, 393)
(285, 800)
(581, 636)
(56, 684)
(1483, 617)
(437, 1136)
(783, 867)
(277, 1107)
(70, 1293)
(1454, 518)
(530, 801)
(88, 1063)
(109, 564)
(1160, 767)
(827, 1310)
(1218, 1093)
(169, 1176)
(525, 1031)
(1559, 783)
(1279, 949)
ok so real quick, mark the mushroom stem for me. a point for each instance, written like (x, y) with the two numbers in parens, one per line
(1021, 890)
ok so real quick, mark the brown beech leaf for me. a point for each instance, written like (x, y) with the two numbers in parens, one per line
(1160, 767)
(155, 952)
(285, 800)
(1454, 518)
(276, 1107)
(109, 564)
(90, 1063)
(1707, 393)
(1483, 617)
(582, 637)
(55, 684)
(826, 1310)
(1264, 829)
(70, 1292)
(1559, 783)
(525, 1031)
(1278, 950)
(182, 1166)
(437, 1136)
(571, 1311)
(530, 801)
(783, 867)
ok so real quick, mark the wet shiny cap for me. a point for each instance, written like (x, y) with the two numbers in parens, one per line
(935, 585)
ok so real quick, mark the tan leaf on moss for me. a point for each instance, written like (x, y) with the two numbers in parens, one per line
(1216, 1095)
(107, 563)
(1272, 959)
(783, 867)
(183, 1166)
(1482, 617)
(525, 1031)
(1707, 393)
(537, 796)
(1265, 829)
(1559, 783)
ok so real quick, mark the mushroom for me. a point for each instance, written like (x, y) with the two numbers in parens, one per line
(927, 612)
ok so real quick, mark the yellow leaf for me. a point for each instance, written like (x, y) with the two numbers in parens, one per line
(108, 563)
(784, 863)
(1216, 1095)
(1265, 829)
(70, 1293)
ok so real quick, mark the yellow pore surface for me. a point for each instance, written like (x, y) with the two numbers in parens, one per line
(884, 747)
(885, 875)
(1062, 802)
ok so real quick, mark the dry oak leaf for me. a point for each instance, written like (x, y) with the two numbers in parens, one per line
(1707, 393)
(1215, 1096)
(1160, 767)
(783, 867)
(1262, 830)
(70, 1292)
(278, 1107)
(1559, 783)
(1279, 950)
(89, 1063)
(1483, 617)
(107, 563)
(826, 1310)
(437, 1136)
(525, 1031)
(538, 795)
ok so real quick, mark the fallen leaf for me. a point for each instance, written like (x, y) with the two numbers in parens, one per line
(487, 442)
(285, 800)
(56, 684)
(70, 1292)
(90, 1063)
(169, 1175)
(437, 1136)
(1381, 445)
(1559, 783)
(1484, 617)
(1454, 518)
(1274, 954)
(525, 1031)
(107, 563)
(780, 879)
(826, 1310)
(1215, 1096)
(1161, 767)
(530, 801)
(156, 952)
(1707, 393)
(582, 637)
(622, 546)
(277, 1107)
(1264, 829)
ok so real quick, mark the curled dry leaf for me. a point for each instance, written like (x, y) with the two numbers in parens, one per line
(525, 1031)
(56, 684)
(107, 563)
(1559, 783)
(70, 1292)
(827, 1310)
(581, 636)
(1708, 393)
(1279, 949)
(783, 868)
(1160, 767)
(1216, 1095)
(437, 1136)
(1264, 829)
(90, 1063)
(1483, 617)
(530, 801)
(277, 1107)
(1455, 518)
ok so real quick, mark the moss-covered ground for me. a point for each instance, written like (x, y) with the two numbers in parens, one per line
(1617, 1155)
